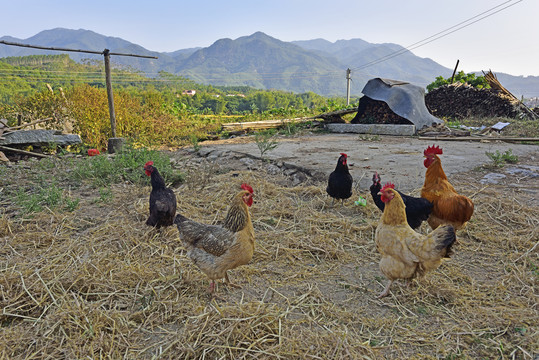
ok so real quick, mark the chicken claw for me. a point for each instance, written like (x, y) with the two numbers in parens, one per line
(386, 290)
(229, 283)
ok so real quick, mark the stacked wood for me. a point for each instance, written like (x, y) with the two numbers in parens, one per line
(261, 125)
(458, 101)
(372, 111)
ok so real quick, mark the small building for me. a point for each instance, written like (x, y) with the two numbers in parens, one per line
(189, 92)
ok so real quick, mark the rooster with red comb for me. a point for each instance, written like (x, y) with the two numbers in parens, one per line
(449, 207)
(216, 249)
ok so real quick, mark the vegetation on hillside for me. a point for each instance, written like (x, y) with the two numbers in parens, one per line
(150, 111)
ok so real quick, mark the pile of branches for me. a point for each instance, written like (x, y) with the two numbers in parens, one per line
(460, 101)
(372, 111)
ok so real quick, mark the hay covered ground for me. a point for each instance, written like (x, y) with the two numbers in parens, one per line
(98, 283)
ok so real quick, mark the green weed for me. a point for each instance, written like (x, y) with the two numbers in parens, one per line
(265, 140)
(500, 159)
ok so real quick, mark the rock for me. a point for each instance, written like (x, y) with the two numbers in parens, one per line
(298, 178)
(492, 178)
(273, 169)
(214, 155)
(524, 170)
(40, 137)
(289, 171)
(204, 151)
(250, 163)
(3, 157)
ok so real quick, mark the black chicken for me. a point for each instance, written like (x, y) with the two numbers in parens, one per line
(417, 209)
(162, 199)
(340, 181)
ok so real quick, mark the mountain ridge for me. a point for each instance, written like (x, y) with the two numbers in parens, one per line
(261, 61)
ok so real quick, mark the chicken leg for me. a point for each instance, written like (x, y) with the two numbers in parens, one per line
(229, 283)
(386, 290)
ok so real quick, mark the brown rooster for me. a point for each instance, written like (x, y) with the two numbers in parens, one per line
(216, 249)
(162, 199)
(405, 253)
(449, 207)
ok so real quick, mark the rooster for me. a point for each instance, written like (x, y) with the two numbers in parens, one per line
(216, 249)
(405, 253)
(340, 181)
(162, 199)
(417, 209)
(449, 207)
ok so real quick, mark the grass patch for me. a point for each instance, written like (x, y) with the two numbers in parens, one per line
(500, 159)
(126, 166)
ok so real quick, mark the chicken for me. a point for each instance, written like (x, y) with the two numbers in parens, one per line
(405, 253)
(449, 207)
(340, 181)
(417, 209)
(215, 249)
(162, 199)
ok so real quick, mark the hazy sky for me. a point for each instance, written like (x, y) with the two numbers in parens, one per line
(507, 41)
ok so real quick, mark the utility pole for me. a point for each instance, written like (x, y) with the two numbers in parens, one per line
(348, 78)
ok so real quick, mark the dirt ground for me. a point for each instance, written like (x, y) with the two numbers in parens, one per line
(396, 159)
(97, 282)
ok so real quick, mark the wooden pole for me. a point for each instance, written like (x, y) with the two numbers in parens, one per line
(108, 81)
(454, 71)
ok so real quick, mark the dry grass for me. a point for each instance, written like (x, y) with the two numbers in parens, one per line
(98, 283)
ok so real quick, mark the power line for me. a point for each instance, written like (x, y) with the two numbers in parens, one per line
(440, 34)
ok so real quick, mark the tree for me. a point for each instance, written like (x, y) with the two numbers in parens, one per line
(478, 82)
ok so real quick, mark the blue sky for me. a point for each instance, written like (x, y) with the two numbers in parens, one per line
(507, 41)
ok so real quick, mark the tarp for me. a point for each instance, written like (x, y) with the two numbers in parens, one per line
(404, 99)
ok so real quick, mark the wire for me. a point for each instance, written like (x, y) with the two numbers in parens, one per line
(436, 37)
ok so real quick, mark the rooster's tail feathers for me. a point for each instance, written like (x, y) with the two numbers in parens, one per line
(445, 239)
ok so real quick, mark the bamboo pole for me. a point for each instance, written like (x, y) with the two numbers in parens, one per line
(6, 148)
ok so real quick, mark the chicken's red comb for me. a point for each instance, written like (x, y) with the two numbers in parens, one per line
(388, 186)
(343, 154)
(431, 150)
(149, 163)
(247, 187)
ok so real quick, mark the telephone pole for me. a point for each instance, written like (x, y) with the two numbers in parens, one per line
(348, 78)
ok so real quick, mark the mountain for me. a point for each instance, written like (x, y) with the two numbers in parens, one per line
(264, 62)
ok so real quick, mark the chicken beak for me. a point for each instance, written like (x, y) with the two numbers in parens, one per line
(379, 193)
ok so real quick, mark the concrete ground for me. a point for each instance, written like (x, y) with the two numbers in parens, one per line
(396, 159)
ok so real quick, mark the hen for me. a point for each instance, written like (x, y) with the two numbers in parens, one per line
(449, 207)
(215, 249)
(340, 181)
(162, 199)
(417, 209)
(405, 253)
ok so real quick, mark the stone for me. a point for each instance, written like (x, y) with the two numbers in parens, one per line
(273, 169)
(373, 129)
(492, 178)
(204, 151)
(39, 137)
(115, 145)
